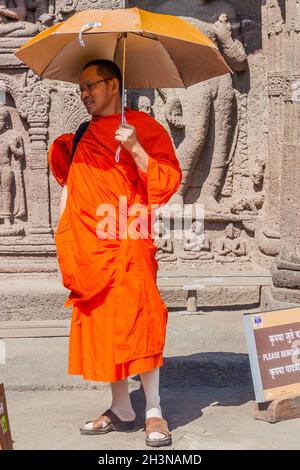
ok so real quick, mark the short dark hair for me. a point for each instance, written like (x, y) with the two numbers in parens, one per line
(107, 68)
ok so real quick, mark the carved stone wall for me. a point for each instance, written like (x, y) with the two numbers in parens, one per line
(219, 129)
(33, 112)
(229, 134)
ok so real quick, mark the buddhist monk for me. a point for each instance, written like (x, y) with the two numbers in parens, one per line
(106, 249)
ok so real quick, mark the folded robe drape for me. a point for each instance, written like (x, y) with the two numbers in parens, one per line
(119, 320)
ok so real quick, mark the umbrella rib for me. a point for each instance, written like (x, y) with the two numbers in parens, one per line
(138, 33)
(45, 68)
(117, 43)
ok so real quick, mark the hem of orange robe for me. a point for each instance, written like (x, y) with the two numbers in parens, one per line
(102, 379)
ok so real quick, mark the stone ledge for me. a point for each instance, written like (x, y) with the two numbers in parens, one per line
(212, 296)
(34, 329)
(32, 299)
(273, 298)
(43, 299)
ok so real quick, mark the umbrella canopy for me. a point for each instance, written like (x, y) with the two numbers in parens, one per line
(162, 51)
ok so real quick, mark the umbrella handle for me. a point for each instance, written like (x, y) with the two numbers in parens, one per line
(84, 28)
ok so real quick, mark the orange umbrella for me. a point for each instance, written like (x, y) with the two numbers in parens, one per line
(162, 51)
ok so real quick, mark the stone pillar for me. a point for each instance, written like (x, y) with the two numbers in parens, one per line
(268, 233)
(286, 267)
(39, 216)
(36, 104)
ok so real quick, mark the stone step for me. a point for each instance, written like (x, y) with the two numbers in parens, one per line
(254, 270)
(34, 329)
(42, 298)
(199, 282)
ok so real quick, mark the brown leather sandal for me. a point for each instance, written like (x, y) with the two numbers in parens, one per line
(114, 423)
(157, 424)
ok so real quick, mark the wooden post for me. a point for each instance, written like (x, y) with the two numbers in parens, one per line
(278, 410)
(5, 434)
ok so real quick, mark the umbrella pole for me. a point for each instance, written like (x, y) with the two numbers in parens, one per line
(123, 78)
(117, 154)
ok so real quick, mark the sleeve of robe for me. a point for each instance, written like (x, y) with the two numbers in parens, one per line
(59, 157)
(164, 175)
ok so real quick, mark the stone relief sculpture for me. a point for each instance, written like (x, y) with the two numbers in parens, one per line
(173, 109)
(34, 97)
(257, 174)
(12, 192)
(26, 221)
(231, 247)
(248, 205)
(196, 245)
(65, 8)
(144, 104)
(73, 111)
(43, 11)
(211, 106)
(31, 80)
(14, 17)
(165, 249)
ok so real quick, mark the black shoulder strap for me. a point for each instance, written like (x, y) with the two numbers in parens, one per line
(78, 134)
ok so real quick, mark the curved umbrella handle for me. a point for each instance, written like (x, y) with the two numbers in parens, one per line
(84, 28)
(117, 154)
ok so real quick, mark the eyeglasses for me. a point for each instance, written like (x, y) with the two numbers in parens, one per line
(91, 86)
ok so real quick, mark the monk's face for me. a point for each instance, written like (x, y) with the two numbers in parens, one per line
(96, 96)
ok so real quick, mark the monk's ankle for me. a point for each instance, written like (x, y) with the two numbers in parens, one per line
(124, 413)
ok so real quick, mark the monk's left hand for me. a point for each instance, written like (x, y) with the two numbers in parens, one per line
(126, 134)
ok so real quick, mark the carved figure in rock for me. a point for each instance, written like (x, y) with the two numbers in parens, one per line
(196, 245)
(26, 93)
(173, 108)
(275, 16)
(144, 104)
(13, 20)
(31, 79)
(65, 8)
(257, 175)
(34, 99)
(10, 145)
(231, 247)
(211, 105)
(248, 205)
(43, 12)
(165, 249)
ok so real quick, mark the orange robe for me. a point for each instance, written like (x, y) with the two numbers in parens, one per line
(119, 319)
